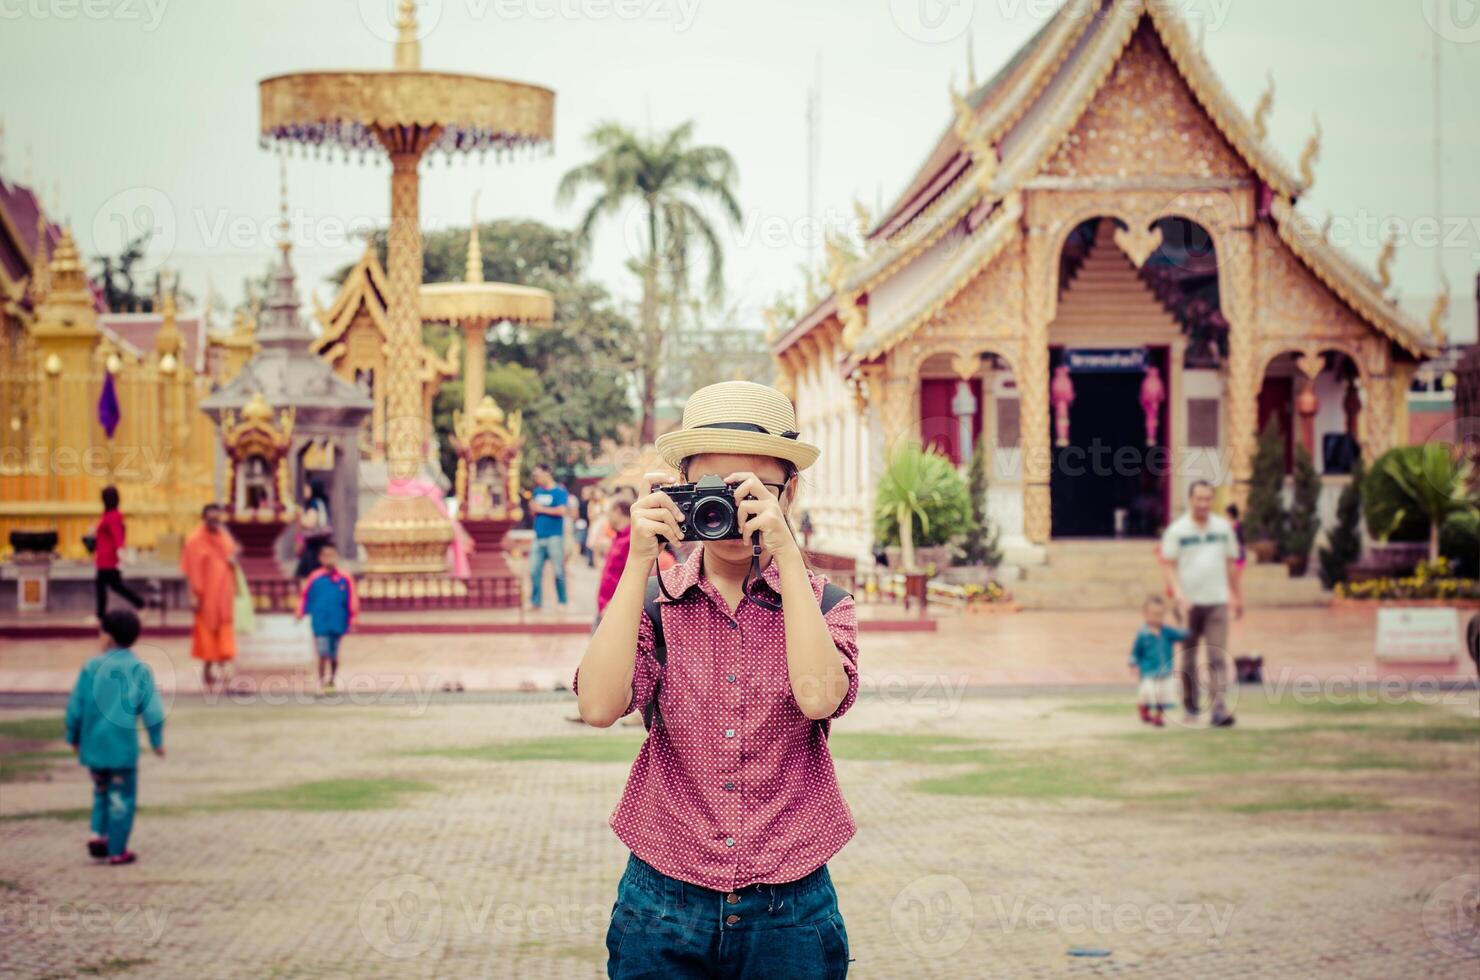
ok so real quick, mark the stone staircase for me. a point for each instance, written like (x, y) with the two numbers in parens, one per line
(1119, 574)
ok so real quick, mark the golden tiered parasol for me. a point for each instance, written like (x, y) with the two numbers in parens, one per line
(406, 112)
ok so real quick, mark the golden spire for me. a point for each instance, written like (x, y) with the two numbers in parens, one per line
(67, 275)
(167, 338)
(408, 48)
(1385, 262)
(286, 242)
(40, 261)
(1439, 310)
(1261, 111)
(474, 268)
(1309, 157)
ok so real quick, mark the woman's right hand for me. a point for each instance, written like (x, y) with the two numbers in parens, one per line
(654, 516)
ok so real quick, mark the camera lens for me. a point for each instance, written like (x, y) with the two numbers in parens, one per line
(714, 518)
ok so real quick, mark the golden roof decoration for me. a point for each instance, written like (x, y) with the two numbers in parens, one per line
(257, 410)
(1262, 110)
(255, 434)
(1439, 311)
(1385, 262)
(1309, 156)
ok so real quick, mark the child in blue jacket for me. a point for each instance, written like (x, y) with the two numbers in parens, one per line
(329, 601)
(1152, 657)
(112, 693)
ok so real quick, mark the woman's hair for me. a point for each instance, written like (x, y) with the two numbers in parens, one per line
(788, 468)
(316, 490)
(110, 498)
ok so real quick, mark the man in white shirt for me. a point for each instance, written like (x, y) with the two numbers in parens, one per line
(1199, 558)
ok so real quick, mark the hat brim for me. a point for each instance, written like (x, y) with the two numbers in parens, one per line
(680, 444)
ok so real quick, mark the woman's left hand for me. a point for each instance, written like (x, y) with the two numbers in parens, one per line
(760, 510)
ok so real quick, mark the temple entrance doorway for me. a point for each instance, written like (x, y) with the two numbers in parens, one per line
(1110, 471)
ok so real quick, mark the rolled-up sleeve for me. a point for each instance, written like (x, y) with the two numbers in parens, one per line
(842, 624)
(645, 669)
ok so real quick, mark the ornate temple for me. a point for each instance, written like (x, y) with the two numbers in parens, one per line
(59, 349)
(1100, 277)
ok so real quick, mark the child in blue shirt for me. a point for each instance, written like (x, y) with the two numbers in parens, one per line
(112, 693)
(1152, 656)
(329, 601)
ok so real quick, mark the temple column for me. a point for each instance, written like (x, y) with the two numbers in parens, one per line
(405, 424)
(1306, 401)
(1378, 416)
(475, 364)
(1039, 306)
(1236, 295)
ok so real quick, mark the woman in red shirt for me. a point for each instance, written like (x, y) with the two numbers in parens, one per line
(732, 808)
(110, 538)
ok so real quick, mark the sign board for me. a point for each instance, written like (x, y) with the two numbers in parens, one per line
(277, 642)
(1418, 634)
(1112, 360)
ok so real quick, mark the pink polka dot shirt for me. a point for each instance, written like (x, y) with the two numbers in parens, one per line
(735, 785)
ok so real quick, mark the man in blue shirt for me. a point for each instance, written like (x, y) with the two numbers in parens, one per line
(549, 502)
(113, 692)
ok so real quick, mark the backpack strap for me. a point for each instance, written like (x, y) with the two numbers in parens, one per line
(654, 613)
(831, 596)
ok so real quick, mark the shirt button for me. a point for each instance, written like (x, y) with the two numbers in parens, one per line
(732, 898)
(729, 785)
(730, 678)
(733, 625)
(729, 842)
(729, 733)
(731, 919)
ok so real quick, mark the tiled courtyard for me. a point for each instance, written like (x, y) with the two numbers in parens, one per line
(1001, 834)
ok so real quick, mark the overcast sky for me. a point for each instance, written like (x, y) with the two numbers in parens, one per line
(149, 108)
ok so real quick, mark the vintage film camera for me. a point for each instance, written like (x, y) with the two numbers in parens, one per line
(708, 509)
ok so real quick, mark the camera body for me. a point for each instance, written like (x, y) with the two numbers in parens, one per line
(708, 509)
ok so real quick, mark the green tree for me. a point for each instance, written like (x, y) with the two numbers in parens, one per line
(1266, 517)
(921, 501)
(979, 544)
(1344, 541)
(1417, 487)
(568, 378)
(1303, 520)
(669, 180)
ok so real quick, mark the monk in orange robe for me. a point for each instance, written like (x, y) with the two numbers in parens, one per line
(209, 564)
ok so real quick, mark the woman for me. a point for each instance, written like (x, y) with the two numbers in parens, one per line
(110, 535)
(739, 658)
(314, 529)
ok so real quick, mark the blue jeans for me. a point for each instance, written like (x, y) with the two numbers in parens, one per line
(327, 645)
(547, 549)
(114, 794)
(662, 927)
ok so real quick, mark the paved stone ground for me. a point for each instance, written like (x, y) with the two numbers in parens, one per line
(490, 866)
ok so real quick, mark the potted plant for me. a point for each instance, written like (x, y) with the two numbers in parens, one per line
(1303, 521)
(921, 501)
(1266, 519)
(1412, 491)
(978, 553)
(1344, 541)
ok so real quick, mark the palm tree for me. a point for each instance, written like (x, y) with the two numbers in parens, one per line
(668, 178)
(1434, 482)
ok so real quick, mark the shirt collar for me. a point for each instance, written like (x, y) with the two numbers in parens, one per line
(681, 578)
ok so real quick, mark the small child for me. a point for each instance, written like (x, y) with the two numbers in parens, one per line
(112, 693)
(329, 601)
(1152, 656)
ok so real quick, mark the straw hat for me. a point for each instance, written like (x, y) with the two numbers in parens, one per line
(737, 417)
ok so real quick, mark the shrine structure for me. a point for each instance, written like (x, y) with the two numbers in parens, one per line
(1100, 276)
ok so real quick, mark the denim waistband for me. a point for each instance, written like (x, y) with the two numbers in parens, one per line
(643, 875)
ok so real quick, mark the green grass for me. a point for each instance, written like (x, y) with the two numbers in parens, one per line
(1022, 776)
(19, 765)
(1298, 803)
(65, 815)
(52, 729)
(875, 747)
(580, 748)
(328, 795)
(108, 967)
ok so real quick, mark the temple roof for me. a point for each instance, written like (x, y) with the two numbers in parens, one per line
(1005, 133)
(20, 210)
(135, 332)
(364, 286)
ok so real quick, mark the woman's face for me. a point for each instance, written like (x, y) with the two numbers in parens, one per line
(767, 469)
